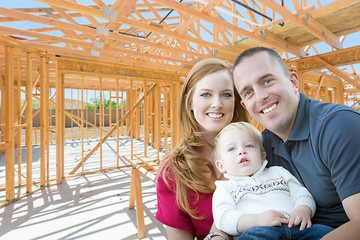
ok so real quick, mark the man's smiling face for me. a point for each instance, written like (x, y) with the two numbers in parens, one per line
(267, 93)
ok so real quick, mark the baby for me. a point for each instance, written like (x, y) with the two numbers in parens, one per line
(258, 202)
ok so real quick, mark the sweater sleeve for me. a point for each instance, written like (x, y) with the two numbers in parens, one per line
(225, 213)
(299, 194)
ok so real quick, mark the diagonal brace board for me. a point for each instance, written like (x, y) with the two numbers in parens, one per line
(112, 130)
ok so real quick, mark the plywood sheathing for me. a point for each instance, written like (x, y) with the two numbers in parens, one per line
(340, 18)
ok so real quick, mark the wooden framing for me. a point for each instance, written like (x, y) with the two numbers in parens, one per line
(44, 106)
(29, 120)
(313, 23)
(60, 125)
(146, 167)
(9, 124)
(137, 60)
(142, 102)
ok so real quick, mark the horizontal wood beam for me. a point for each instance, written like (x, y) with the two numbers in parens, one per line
(267, 38)
(329, 80)
(338, 72)
(7, 41)
(307, 22)
(50, 49)
(92, 32)
(131, 22)
(338, 58)
(88, 67)
(114, 50)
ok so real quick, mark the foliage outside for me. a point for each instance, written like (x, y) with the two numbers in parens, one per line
(106, 104)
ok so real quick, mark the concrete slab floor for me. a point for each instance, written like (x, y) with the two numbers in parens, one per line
(84, 207)
(88, 207)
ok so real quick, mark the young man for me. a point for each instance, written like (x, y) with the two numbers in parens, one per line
(315, 141)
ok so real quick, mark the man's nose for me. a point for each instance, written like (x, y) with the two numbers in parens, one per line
(260, 94)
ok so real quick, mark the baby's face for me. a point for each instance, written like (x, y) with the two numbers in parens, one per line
(240, 153)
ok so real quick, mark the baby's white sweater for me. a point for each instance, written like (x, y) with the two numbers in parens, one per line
(272, 188)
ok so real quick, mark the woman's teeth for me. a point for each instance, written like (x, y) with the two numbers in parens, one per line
(215, 115)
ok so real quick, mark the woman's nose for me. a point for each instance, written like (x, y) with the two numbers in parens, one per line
(216, 102)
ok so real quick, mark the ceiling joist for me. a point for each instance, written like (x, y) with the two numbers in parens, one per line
(172, 35)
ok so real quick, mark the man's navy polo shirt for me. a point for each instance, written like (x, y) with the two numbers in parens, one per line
(323, 152)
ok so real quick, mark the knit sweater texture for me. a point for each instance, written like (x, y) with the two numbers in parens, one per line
(272, 188)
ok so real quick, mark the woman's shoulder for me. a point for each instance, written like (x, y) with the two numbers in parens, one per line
(166, 173)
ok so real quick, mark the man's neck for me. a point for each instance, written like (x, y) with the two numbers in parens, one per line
(285, 133)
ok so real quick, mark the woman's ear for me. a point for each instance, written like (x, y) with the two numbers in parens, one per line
(219, 166)
(188, 101)
(263, 155)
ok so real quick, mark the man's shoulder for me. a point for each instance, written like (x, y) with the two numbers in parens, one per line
(332, 117)
(321, 110)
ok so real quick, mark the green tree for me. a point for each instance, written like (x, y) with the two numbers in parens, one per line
(106, 104)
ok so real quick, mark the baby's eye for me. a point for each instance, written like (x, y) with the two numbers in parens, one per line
(231, 149)
(249, 146)
(205, 95)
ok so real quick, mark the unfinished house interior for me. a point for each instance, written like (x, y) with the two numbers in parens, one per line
(90, 95)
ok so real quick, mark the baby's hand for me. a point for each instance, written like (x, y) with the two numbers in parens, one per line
(301, 215)
(272, 218)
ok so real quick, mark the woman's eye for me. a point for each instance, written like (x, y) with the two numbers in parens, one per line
(227, 95)
(205, 95)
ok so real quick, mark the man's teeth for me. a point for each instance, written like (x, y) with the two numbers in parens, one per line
(215, 115)
(270, 109)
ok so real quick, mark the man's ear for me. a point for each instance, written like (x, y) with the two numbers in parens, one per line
(243, 104)
(294, 78)
(219, 166)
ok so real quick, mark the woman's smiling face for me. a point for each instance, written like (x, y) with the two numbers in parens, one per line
(213, 101)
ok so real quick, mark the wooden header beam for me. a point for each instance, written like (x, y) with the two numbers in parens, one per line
(338, 58)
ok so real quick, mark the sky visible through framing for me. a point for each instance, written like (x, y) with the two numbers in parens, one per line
(350, 41)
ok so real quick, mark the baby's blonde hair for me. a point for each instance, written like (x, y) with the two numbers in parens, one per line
(239, 126)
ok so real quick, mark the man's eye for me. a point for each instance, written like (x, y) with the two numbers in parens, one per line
(205, 95)
(248, 93)
(267, 81)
